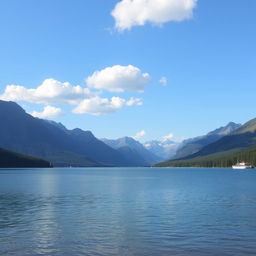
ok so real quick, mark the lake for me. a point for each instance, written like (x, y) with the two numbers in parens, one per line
(127, 211)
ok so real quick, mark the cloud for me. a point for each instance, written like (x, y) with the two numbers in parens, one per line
(98, 106)
(168, 137)
(129, 13)
(139, 135)
(172, 137)
(134, 101)
(48, 111)
(50, 91)
(119, 79)
(163, 81)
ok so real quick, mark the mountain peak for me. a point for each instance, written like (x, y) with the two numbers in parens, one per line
(136, 147)
(194, 145)
(59, 125)
(80, 132)
(225, 130)
(163, 149)
(128, 139)
(11, 106)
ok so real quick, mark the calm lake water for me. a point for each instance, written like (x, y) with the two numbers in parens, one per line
(127, 211)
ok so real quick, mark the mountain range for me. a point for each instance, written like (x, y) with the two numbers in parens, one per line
(164, 149)
(25, 134)
(38, 139)
(194, 145)
(133, 150)
(22, 133)
(242, 138)
(237, 145)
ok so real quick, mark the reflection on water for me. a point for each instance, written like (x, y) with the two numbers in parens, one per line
(126, 211)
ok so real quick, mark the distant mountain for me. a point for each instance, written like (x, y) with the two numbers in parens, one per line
(9, 159)
(133, 150)
(240, 145)
(163, 149)
(134, 157)
(249, 126)
(226, 130)
(194, 145)
(22, 133)
(241, 138)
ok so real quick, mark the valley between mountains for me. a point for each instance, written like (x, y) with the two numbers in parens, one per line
(28, 141)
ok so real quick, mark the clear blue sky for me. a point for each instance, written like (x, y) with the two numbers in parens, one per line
(209, 61)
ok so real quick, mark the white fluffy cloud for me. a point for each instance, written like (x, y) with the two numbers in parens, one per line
(48, 111)
(129, 13)
(139, 135)
(163, 81)
(168, 137)
(119, 79)
(97, 106)
(50, 91)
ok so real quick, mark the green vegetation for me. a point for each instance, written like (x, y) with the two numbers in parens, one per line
(221, 159)
(9, 159)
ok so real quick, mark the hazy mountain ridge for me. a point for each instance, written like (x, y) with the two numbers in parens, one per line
(164, 149)
(194, 145)
(241, 138)
(249, 126)
(137, 152)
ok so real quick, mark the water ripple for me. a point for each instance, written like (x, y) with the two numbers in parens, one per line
(127, 212)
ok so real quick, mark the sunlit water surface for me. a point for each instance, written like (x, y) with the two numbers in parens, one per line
(127, 211)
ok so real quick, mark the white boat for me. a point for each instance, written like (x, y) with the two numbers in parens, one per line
(242, 166)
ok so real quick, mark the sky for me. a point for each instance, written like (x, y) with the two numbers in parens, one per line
(142, 68)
